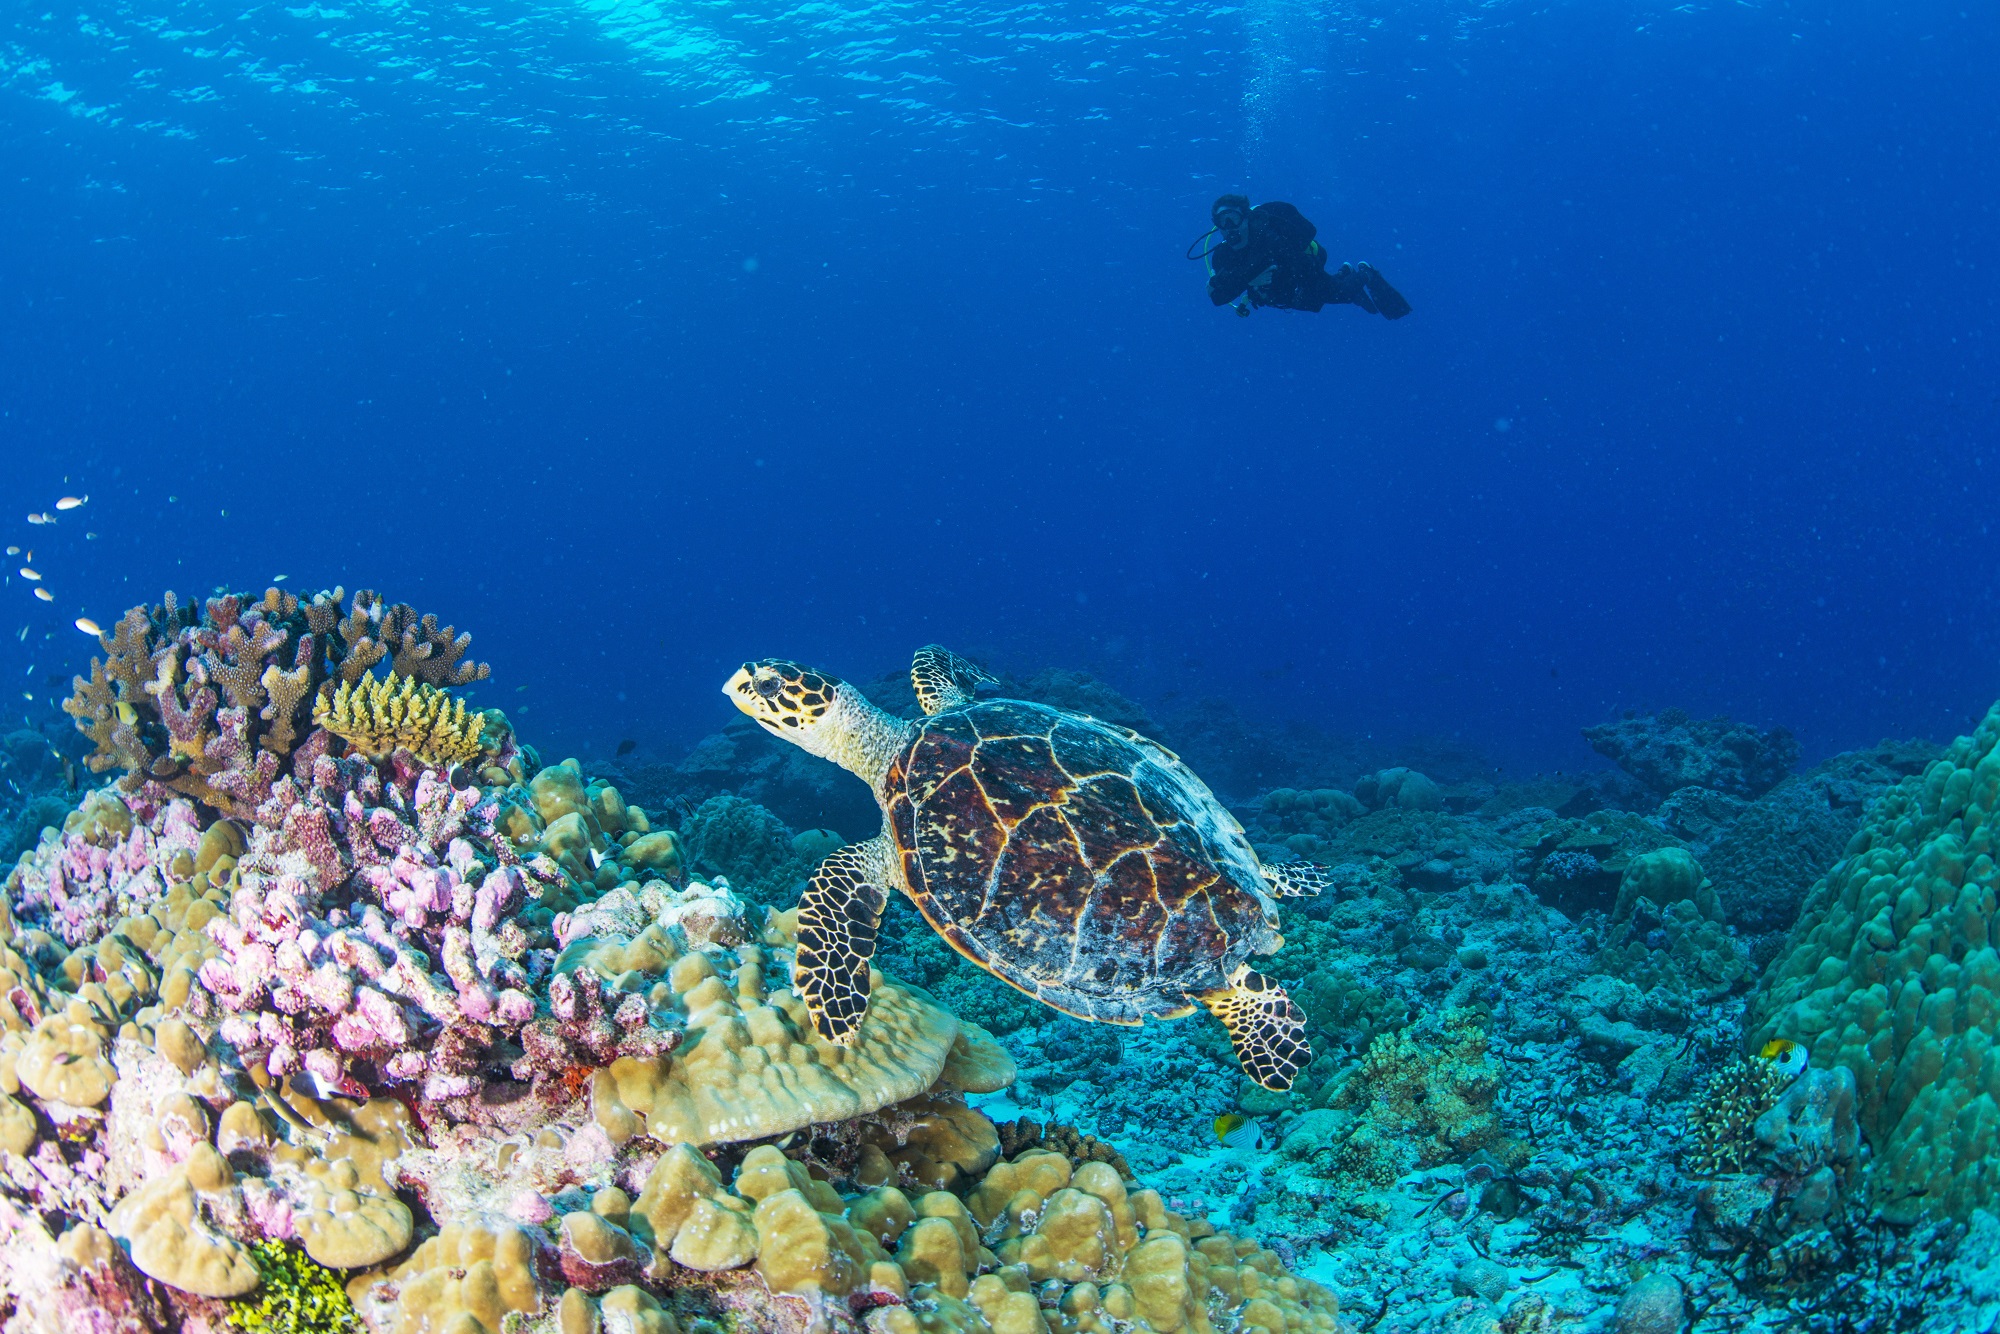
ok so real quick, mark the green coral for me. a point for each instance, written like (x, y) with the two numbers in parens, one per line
(729, 835)
(1893, 970)
(1667, 930)
(1419, 1097)
(298, 1296)
(1431, 1085)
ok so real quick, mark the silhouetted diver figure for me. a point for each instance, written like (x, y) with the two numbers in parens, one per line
(1267, 257)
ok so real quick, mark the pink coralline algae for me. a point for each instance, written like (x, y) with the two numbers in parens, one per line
(377, 934)
(382, 935)
(77, 884)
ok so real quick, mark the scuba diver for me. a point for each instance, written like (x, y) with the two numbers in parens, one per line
(1266, 256)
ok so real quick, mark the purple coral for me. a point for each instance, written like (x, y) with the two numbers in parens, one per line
(77, 885)
(376, 923)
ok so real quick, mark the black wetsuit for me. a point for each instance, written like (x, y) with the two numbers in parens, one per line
(1281, 239)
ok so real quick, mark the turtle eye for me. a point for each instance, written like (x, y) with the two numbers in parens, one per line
(770, 685)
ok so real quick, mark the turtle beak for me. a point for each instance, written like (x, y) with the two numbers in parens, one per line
(740, 689)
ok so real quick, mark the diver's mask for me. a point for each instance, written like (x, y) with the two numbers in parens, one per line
(1232, 223)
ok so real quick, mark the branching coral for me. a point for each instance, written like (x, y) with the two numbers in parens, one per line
(299, 1295)
(1019, 1136)
(315, 977)
(1722, 1124)
(376, 717)
(212, 705)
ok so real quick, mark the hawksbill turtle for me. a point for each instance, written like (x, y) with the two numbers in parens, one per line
(1076, 861)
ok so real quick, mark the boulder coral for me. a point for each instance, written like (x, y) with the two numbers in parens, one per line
(1893, 973)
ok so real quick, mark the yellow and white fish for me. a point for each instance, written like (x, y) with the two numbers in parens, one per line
(1788, 1058)
(88, 626)
(1238, 1132)
(30, 575)
(71, 502)
(45, 595)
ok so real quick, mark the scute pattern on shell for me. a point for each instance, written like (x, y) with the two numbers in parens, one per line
(1074, 860)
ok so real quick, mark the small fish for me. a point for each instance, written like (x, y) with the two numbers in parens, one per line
(596, 859)
(127, 714)
(279, 578)
(41, 518)
(71, 502)
(13, 551)
(45, 595)
(1238, 1132)
(30, 575)
(1785, 1056)
(90, 537)
(88, 626)
(627, 746)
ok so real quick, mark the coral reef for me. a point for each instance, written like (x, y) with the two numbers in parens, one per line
(400, 1036)
(1668, 751)
(38, 784)
(392, 1026)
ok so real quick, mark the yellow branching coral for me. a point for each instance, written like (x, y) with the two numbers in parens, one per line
(299, 1295)
(378, 716)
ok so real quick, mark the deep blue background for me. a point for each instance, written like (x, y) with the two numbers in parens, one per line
(1698, 407)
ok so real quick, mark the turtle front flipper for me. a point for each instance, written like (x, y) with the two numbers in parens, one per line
(944, 680)
(839, 916)
(1266, 1029)
(1293, 880)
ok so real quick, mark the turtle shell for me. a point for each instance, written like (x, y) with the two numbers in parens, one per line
(1074, 860)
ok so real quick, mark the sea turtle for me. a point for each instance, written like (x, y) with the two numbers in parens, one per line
(1074, 860)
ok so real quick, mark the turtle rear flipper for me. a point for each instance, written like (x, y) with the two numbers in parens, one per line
(839, 916)
(944, 680)
(1266, 1029)
(1293, 880)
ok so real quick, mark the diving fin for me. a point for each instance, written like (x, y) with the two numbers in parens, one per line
(1388, 301)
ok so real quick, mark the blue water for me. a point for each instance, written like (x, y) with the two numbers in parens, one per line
(643, 338)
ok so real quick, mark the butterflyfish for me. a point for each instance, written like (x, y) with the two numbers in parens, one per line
(1238, 1132)
(1785, 1056)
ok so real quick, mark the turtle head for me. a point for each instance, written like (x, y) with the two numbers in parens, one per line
(786, 699)
(817, 713)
